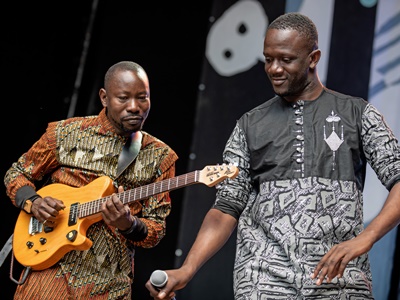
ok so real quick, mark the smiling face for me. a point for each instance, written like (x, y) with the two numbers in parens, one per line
(290, 64)
(127, 98)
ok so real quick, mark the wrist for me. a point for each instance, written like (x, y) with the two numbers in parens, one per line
(28, 204)
(131, 228)
(24, 193)
(137, 232)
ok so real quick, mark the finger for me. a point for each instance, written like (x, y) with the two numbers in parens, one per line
(330, 269)
(321, 276)
(127, 209)
(162, 294)
(49, 205)
(52, 211)
(318, 268)
(48, 223)
(339, 262)
(59, 205)
(47, 216)
(341, 267)
(151, 288)
(117, 203)
(111, 205)
(105, 217)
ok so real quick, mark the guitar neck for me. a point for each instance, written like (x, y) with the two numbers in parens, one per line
(142, 192)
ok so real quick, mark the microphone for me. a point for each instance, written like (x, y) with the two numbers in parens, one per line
(159, 279)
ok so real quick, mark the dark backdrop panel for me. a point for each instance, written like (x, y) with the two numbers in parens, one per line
(351, 48)
(41, 44)
(42, 48)
(221, 101)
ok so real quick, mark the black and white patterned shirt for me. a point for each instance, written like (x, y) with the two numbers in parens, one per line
(299, 192)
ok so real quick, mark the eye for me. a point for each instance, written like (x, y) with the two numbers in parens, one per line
(143, 97)
(123, 98)
(268, 60)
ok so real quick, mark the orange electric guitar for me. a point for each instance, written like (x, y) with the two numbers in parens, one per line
(38, 247)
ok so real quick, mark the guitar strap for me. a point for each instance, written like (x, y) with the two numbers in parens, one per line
(127, 156)
(6, 250)
(129, 152)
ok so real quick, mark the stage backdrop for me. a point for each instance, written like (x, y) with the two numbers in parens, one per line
(360, 56)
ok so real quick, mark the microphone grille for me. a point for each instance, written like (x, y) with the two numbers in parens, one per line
(158, 278)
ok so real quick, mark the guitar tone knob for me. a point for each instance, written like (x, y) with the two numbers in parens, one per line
(71, 236)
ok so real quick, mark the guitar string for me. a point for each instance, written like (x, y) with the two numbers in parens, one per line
(92, 207)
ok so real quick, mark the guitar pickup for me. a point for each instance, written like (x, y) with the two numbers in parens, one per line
(72, 218)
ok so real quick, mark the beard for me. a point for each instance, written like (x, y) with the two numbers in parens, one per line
(296, 86)
(121, 128)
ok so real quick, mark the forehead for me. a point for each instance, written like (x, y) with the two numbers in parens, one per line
(128, 76)
(128, 81)
(285, 40)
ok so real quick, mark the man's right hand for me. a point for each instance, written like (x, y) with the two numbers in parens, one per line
(46, 210)
(177, 280)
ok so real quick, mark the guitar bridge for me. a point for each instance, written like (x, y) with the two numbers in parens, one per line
(35, 226)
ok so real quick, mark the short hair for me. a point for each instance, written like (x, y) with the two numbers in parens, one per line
(299, 22)
(122, 66)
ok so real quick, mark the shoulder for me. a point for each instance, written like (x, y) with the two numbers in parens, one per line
(70, 122)
(156, 149)
(149, 140)
(264, 107)
(72, 128)
(345, 98)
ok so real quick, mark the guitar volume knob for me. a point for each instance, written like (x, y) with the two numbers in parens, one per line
(71, 236)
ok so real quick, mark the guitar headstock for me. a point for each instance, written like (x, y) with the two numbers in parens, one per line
(212, 175)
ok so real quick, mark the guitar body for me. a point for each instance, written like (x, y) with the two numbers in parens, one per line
(37, 247)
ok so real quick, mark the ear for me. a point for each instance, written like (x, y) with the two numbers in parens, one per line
(103, 97)
(314, 58)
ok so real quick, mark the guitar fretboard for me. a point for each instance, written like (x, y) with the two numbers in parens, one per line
(93, 207)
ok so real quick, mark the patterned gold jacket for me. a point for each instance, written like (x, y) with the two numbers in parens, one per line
(74, 152)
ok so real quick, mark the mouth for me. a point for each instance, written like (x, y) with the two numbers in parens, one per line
(277, 81)
(132, 120)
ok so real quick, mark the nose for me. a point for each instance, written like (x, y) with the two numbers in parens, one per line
(132, 105)
(274, 67)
